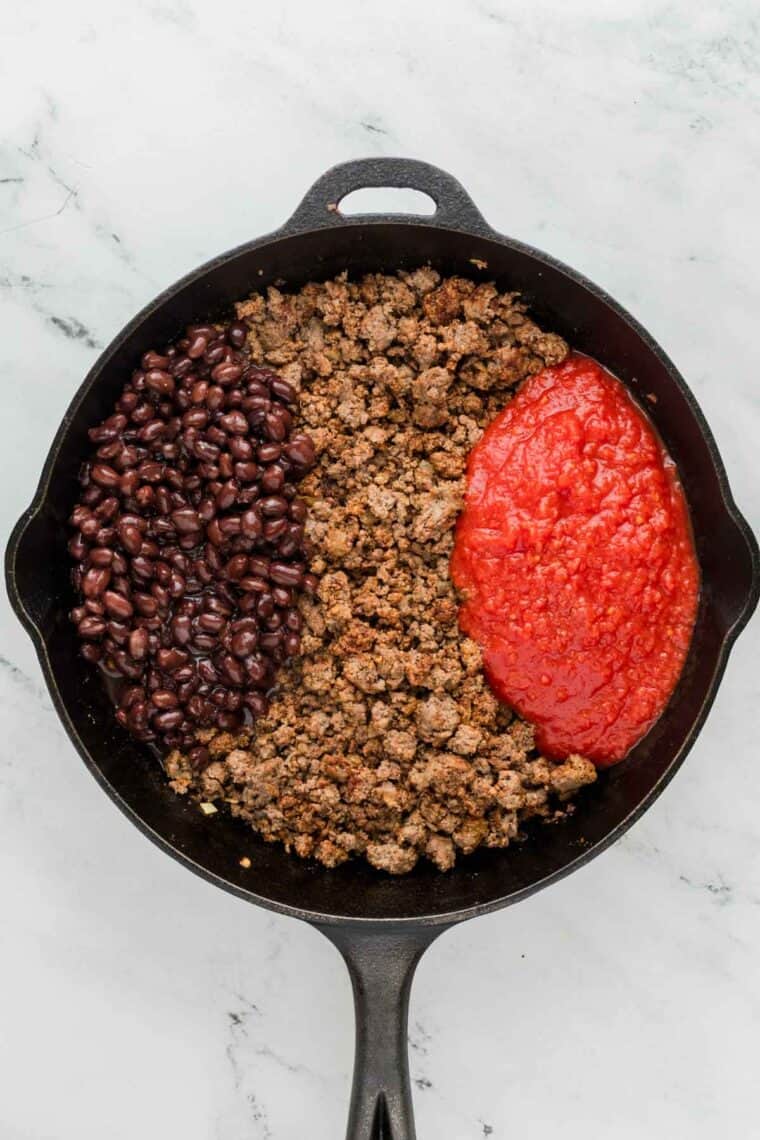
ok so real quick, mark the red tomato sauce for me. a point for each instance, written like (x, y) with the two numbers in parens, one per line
(576, 561)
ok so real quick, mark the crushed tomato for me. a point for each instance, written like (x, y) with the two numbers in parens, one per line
(575, 558)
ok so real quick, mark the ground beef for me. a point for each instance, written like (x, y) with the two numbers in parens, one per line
(385, 740)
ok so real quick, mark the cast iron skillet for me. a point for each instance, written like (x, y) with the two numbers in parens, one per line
(382, 925)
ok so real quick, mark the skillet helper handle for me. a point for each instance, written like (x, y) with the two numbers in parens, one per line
(320, 208)
(381, 966)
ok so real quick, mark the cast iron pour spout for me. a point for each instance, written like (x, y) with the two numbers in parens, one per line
(380, 924)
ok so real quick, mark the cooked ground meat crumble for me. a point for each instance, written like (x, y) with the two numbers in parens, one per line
(385, 740)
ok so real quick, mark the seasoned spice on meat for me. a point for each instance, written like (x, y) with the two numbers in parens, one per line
(385, 740)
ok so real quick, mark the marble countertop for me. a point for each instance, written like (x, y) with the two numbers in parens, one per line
(139, 140)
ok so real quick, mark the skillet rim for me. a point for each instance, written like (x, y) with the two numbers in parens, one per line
(476, 227)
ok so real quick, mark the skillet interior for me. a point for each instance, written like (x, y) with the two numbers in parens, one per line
(38, 575)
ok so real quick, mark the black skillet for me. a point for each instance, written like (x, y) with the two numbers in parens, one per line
(382, 925)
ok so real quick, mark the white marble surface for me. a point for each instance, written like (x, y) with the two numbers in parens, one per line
(140, 139)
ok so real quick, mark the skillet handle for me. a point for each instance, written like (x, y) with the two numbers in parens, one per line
(455, 208)
(381, 964)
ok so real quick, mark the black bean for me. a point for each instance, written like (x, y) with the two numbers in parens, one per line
(227, 495)
(288, 547)
(91, 627)
(274, 529)
(232, 669)
(117, 605)
(126, 665)
(103, 434)
(251, 525)
(207, 671)
(186, 520)
(152, 431)
(275, 425)
(245, 471)
(216, 435)
(240, 448)
(152, 359)
(138, 716)
(297, 510)
(107, 508)
(268, 452)
(300, 451)
(237, 333)
(78, 547)
(168, 719)
(198, 394)
(150, 472)
(273, 506)
(125, 403)
(162, 572)
(259, 566)
(286, 574)
(138, 644)
(273, 479)
(226, 373)
(199, 757)
(143, 412)
(310, 584)
(95, 581)
(203, 572)
(109, 450)
(257, 407)
(215, 397)
(234, 422)
(257, 703)
(177, 584)
(229, 525)
(181, 367)
(233, 700)
(161, 594)
(265, 605)
(145, 496)
(294, 621)
(208, 452)
(118, 632)
(105, 536)
(257, 670)
(283, 390)
(205, 642)
(292, 643)
(104, 475)
(215, 352)
(171, 659)
(243, 643)
(211, 332)
(229, 721)
(197, 346)
(251, 584)
(236, 566)
(211, 622)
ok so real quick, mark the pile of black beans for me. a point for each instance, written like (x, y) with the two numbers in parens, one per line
(189, 539)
